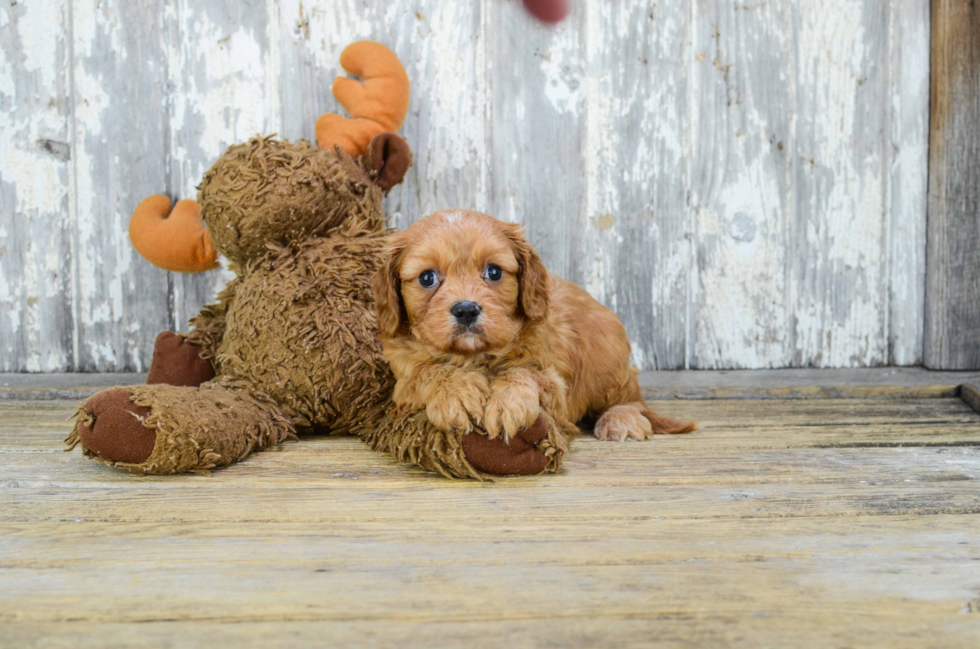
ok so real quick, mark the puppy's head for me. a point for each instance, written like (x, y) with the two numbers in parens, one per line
(460, 282)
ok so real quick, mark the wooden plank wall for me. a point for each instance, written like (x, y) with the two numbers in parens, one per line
(743, 182)
(952, 325)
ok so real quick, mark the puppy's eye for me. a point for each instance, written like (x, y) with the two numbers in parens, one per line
(428, 279)
(494, 273)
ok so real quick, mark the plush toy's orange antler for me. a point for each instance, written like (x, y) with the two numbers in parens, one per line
(377, 104)
(174, 240)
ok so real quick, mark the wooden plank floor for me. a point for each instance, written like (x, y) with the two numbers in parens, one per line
(824, 523)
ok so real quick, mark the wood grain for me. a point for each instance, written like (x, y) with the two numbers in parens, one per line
(793, 215)
(671, 629)
(448, 125)
(971, 396)
(743, 183)
(865, 383)
(119, 156)
(636, 154)
(803, 523)
(907, 198)
(839, 151)
(538, 133)
(952, 317)
(36, 307)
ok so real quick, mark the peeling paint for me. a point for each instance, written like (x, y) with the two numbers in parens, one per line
(35, 318)
(603, 222)
(782, 149)
(795, 132)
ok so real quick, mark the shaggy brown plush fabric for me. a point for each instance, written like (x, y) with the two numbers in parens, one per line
(190, 429)
(293, 337)
(267, 190)
(413, 440)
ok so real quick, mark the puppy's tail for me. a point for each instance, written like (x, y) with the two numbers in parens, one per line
(667, 425)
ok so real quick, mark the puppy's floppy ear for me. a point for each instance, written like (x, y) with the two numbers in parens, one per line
(388, 303)
(532, 276)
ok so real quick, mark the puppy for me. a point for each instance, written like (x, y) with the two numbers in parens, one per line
(478, 333)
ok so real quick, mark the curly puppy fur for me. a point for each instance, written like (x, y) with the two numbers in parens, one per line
(478, 333)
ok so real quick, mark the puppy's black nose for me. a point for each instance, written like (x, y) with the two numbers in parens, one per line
(465, 313)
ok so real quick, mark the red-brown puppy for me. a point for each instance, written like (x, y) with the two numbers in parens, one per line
(477, 332)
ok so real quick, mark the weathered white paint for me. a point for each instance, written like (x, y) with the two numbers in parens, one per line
(119, 145)
(907, 199)
(35, 235)
(637, 130)
(538, 131)
(744, 183)
(792, 197)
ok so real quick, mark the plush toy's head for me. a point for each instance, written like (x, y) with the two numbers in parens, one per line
(268, 191)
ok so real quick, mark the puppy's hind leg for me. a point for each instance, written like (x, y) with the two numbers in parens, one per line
(621, 422)
(636, 421)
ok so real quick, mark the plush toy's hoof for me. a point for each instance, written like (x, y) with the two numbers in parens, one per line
(518, 456)
(178, 362)
(112, 428)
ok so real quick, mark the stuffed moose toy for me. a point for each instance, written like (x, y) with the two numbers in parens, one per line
(290, 346)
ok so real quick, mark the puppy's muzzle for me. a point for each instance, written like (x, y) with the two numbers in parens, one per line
(466, 313)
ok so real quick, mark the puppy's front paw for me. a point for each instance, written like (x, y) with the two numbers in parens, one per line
(459, 409)
(448, 413)
(511, 408)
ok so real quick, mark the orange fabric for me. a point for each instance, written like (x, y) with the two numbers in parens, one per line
(174, 240)
(377, 104)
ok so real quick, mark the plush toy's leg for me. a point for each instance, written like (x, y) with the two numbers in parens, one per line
(163, 429)
(178, 361)
(413, 440)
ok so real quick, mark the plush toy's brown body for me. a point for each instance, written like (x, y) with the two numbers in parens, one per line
(291, 345)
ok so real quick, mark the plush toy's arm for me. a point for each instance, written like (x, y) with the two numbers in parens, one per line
(208, 326)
